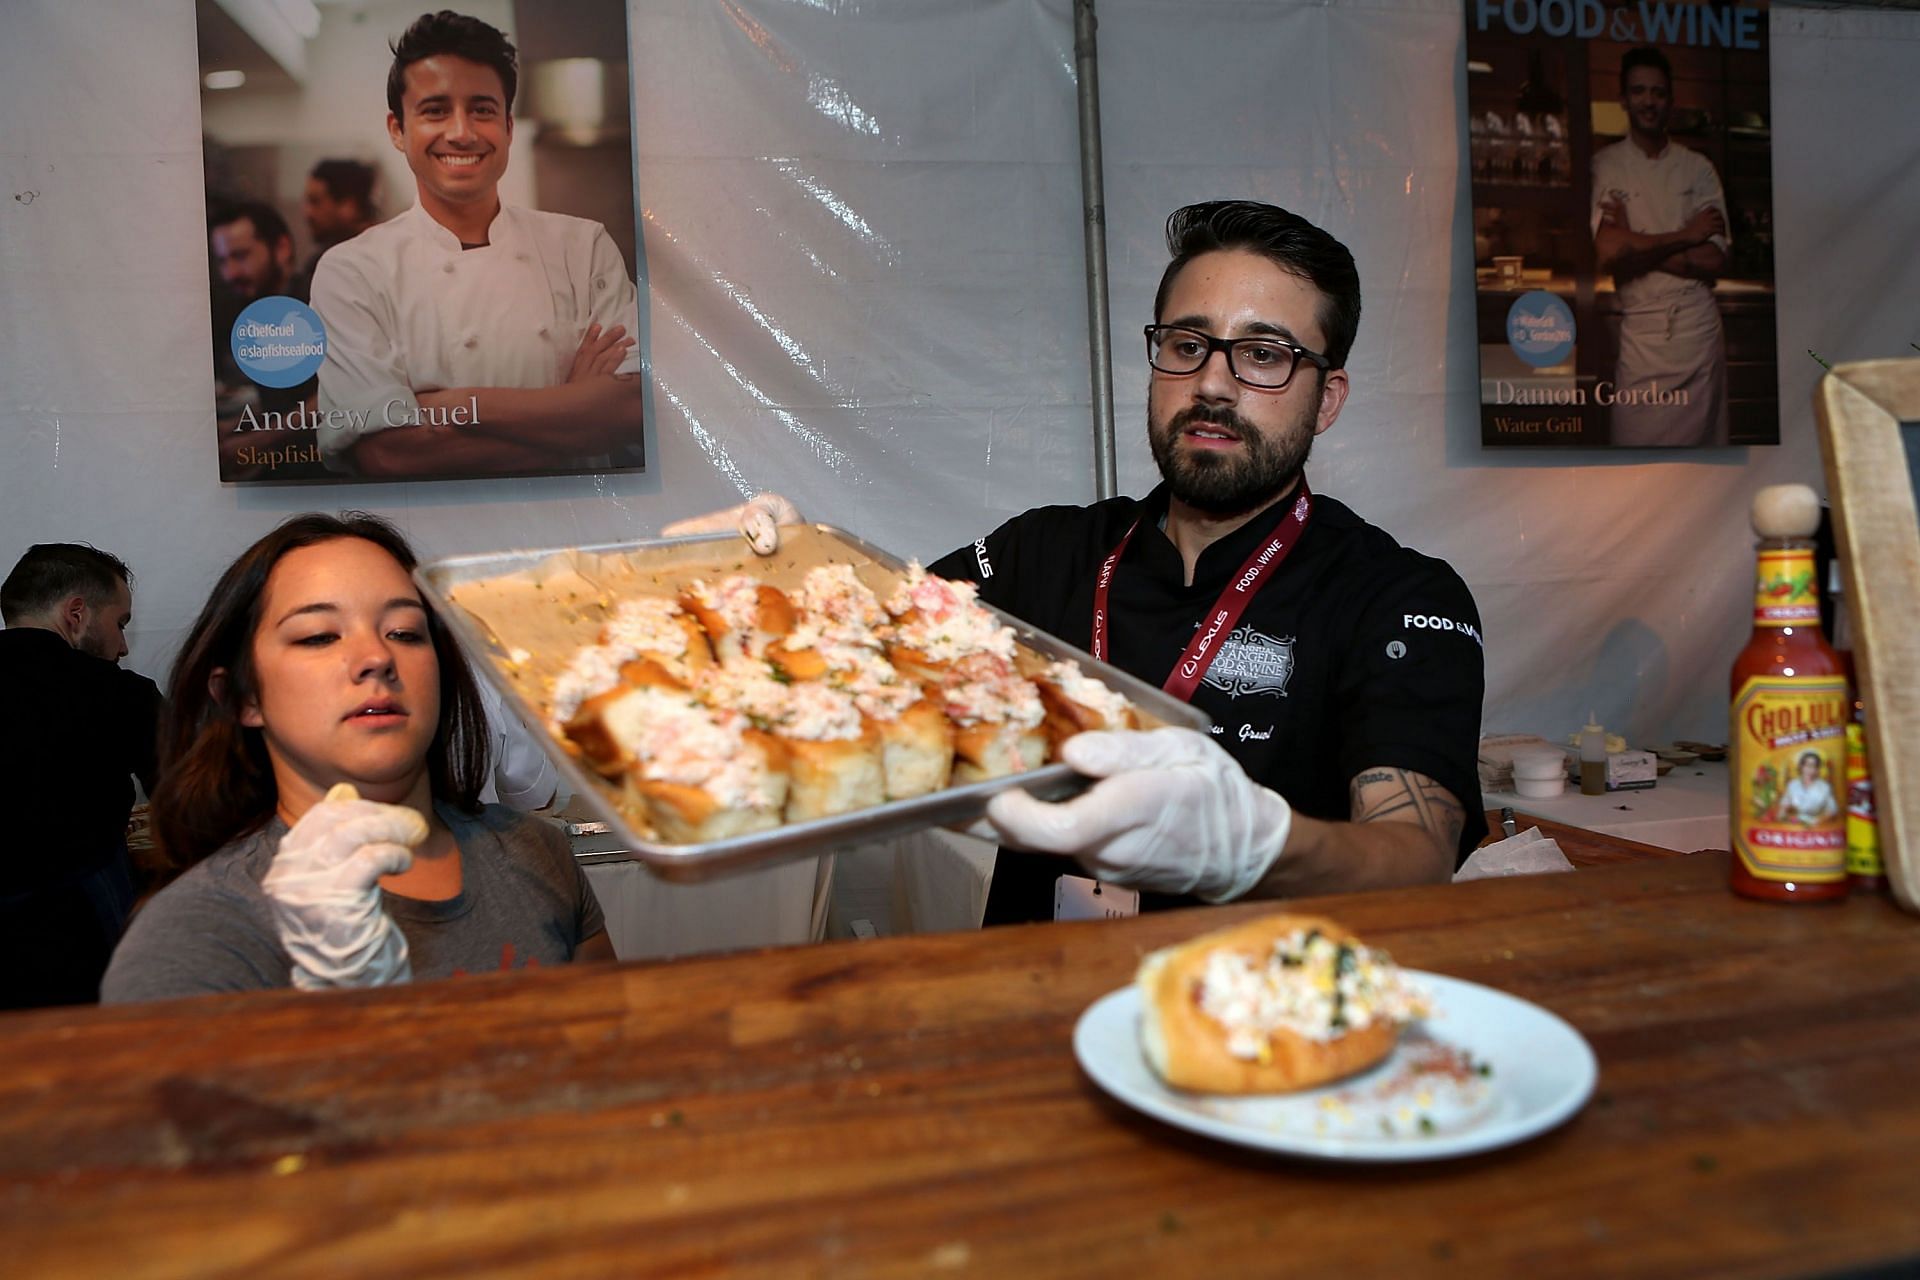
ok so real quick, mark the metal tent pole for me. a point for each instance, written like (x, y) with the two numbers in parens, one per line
(1094, 217)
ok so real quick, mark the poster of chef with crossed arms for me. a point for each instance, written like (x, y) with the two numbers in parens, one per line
(470, 334)
(1623, 223)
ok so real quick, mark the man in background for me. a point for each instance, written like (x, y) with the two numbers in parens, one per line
(252, 251)
(338, 201)
(1660, 226)
(253, 258)
(467, 336)
(338, 204)
(76, 732)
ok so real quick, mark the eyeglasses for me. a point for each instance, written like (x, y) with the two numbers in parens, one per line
(1269, 361)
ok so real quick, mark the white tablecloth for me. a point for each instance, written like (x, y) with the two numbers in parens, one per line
(650, 919)
(1685, 810)
(940, 878)
(940, 881)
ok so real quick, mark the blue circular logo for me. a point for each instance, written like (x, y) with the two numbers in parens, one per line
(1540, 328)
(279, 341)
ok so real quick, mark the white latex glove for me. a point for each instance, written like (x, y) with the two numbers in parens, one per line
(324, 889)
(1174, 813)
(758, 520)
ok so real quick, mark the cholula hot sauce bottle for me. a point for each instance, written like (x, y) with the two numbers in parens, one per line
(1790, 711)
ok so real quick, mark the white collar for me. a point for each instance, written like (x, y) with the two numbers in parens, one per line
(502, 229)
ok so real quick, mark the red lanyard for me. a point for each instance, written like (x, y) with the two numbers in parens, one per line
(1226, 611)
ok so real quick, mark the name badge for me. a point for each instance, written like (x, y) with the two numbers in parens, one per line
(1078, 898)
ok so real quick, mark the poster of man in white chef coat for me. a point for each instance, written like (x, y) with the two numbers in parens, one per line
(480, 330)
(1660, 228)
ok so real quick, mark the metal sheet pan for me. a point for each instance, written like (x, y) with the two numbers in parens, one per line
(519, 616)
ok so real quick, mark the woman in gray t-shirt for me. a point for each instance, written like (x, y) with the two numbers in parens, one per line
(315, 663)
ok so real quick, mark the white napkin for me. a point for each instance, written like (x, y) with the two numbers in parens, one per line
(1526, 854)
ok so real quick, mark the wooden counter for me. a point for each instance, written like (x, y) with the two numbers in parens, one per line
(912, 1107)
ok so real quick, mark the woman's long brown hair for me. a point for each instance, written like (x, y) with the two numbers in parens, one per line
(216, 782)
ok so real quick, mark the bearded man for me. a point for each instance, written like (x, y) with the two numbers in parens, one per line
(1343, 672)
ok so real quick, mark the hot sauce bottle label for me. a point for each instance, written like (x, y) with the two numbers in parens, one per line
(1863, 835)
(1789, 762)
(1784, 592)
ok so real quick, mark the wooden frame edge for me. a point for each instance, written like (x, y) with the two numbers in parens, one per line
(1860, 408)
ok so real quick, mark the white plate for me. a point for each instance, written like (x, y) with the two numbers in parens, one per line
(1539, 1071)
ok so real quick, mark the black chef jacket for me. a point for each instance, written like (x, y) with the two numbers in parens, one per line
(76, 730)
(1357, 653)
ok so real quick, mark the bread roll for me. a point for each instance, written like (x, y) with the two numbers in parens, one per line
(997, 717)
(798, 664)
(834, 755)
(1278, 1004)
(938, 623)
(741, 617)
(590, 729)
(915, 665)
(1077, 703)
(698, 773)
(834, 628)
(683, 813)
(833, 597)
(751, 688)
(658, 628)
(988, 750)
(834, 776)
(646, 673)
(916, 750)
(652, 629)
(589, 733)
(916, 738)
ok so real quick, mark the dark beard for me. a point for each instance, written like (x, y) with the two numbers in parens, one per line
(1225, 487)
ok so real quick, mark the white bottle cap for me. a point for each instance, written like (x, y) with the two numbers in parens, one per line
(1786, 511)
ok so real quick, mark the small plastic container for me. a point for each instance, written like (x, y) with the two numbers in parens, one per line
(1539, 773)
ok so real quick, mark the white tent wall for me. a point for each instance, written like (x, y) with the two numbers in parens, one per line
(862, 233)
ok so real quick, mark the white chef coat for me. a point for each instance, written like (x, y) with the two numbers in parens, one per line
(1671, 338)
(406, 310)
(519, 774)
(1660, 194)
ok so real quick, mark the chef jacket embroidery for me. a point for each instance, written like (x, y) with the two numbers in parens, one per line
(1251, 662)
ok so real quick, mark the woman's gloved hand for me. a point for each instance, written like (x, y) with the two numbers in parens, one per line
(758, 520)
(1173, 813)
(324, 890)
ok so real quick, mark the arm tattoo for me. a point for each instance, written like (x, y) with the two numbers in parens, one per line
(1401, 795)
